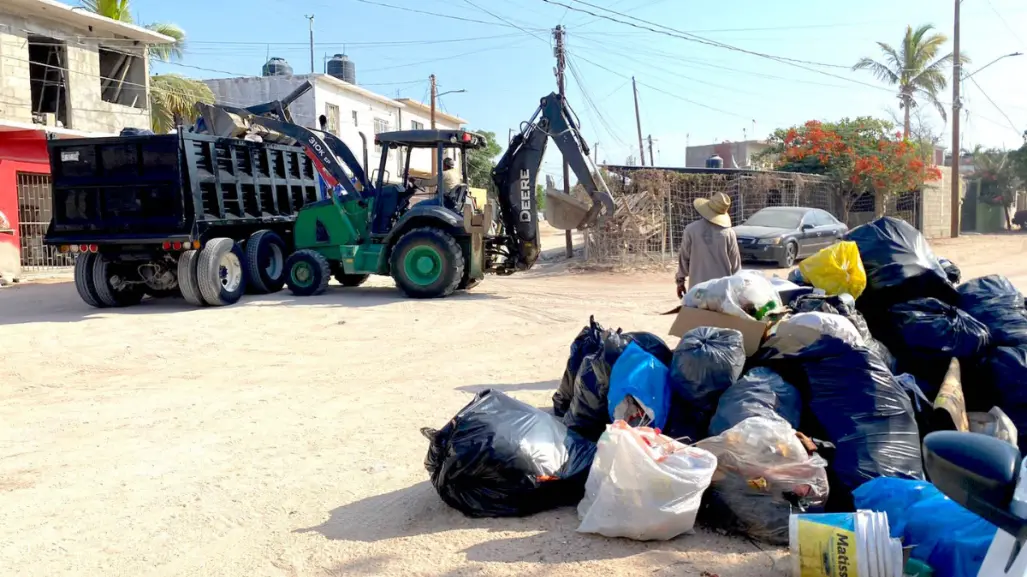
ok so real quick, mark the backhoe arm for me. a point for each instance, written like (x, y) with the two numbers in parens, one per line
(516, 174)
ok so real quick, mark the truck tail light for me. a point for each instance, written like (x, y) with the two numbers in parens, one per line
(94, 248)
(176, 245)
(166, 245)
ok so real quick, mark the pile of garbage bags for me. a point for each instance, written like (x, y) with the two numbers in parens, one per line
(827, 415)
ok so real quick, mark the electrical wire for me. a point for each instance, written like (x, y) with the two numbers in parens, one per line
(1006, 24)
(428, 13)
(590, 102)
(996, 106)
(442, 58)
(498, 17)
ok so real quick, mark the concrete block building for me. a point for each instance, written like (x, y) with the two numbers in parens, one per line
(64, 72)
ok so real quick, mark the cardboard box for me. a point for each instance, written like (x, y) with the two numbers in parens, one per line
(689, 318)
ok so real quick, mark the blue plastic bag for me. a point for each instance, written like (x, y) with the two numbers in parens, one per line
(639, 391)
(946, 536)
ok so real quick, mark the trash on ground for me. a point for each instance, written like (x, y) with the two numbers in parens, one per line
(639, 391)
(951, 270)
(643, 485)
(946, 536)
(950, 405)
(688, 319)
(706, 362)
(764, 474)
(1003, 373)
(837, 544)
(808, 328)
(842, 304)
(836, 269)
(853, 401)
(499, 457)
(994, 423)
(994, 301)
(900, 265)
(588, 413)
(759, 393)
(588, 342)
(745, 294)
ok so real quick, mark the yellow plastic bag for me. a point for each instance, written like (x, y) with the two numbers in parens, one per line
(836, 269)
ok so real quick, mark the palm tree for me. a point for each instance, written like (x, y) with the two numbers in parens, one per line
(915, 68)
(173, 97)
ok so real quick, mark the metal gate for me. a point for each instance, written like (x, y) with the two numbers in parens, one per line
(35, 207)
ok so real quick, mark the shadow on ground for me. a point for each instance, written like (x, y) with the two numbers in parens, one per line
(547, 538)
(59, 302)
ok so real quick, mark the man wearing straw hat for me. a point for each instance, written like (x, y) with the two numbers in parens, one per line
(709, 247)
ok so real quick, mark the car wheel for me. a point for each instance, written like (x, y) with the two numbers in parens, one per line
(791, 251)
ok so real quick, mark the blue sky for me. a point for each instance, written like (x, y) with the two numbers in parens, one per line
(499, 52)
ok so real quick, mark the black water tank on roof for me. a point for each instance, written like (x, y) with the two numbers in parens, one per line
(341, 67)
(276, 67)
(715, 161)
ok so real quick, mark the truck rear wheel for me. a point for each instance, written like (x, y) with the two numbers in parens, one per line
(187, 283)
(309, 273)
(219, 272)
(427, 263)
(265, 261)
(112, 288)
(84, 280)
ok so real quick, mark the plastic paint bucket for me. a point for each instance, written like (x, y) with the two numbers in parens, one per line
(843, 545)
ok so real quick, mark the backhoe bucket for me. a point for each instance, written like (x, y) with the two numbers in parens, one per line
(563, 211)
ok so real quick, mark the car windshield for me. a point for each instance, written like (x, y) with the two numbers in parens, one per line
(775, 218)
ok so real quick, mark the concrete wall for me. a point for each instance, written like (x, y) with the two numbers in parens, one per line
(87, 111)
(936, 205)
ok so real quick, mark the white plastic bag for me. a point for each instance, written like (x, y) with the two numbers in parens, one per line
(764, 474)
(643, 485)
(994, 423)
(746, 294)
(807, 328)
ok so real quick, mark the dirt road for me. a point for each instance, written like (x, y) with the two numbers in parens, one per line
(279, 437)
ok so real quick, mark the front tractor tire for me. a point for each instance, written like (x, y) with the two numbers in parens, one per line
(427, 263)
(220, 273)
(308, 273)
(110, 279)
(265, 262)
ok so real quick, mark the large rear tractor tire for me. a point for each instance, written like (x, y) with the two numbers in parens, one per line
(111, 289)
(187, 283)
(84, 280)
(219, 272)
(427, 263)
(308, 273)
(265, 262)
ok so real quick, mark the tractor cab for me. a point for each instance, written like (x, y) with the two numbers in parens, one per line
(393, 199)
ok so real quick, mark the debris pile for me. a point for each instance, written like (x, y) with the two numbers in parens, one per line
(780, 403)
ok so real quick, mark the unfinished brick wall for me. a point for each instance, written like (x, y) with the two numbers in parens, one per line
(936, 205)
(87, 111)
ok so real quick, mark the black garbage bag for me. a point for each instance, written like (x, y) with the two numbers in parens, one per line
(795, 276)
(589, 341)
(884, 354)
(854, 402)
(951, 270)
(926, 334)
(842, 304)
(900, 265)
(759, 393)
(651, 344)
(994, 301)
(1004, 376)
(706, 362)
(588, 413)
(499, 457)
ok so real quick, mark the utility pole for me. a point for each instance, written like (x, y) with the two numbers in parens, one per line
(638, 123)
(957, 69)
(651, 161)
(560, 64)
(311, 18)
(434, 91)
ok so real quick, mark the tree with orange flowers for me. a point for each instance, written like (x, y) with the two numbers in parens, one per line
(862, 155)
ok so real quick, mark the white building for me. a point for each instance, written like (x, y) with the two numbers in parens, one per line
(351, 111)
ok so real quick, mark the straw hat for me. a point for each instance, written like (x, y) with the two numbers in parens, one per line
(715, 208)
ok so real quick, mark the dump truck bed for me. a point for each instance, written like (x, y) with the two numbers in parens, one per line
(152, 188)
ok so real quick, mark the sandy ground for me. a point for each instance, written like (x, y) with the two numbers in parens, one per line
(280, 437)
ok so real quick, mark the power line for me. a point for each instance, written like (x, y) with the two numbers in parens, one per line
(428, 13)
(498, 17)
(440, 59)
(1006, 24)
(682, 35)
(1002, 112)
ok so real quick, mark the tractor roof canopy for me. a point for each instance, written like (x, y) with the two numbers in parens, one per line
(430, 138)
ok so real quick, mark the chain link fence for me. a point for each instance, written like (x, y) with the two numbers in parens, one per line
(654, 206)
